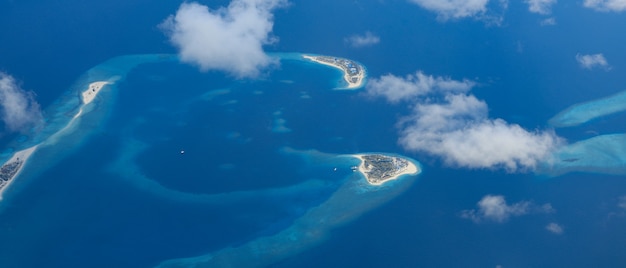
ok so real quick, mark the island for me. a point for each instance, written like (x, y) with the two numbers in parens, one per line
(12, 167)
(354, 73)
(379, 168)
(90, 94)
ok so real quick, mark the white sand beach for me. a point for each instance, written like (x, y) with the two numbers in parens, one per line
(94, 88)
(358, 84)
(346, 76)
(14, 166)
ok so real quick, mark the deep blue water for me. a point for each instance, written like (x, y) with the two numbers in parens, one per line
(70, 209)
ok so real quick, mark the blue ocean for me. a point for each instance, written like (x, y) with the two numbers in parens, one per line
(173, 166)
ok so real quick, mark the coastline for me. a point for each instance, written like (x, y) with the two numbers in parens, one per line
(13, 167)
(86, 88)
(410, 169)
(87, 97)
(360, 77)
(94, 88)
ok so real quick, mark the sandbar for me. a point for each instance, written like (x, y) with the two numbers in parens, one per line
(379, 169)
(90, 94)
(353, 73)
(584, 112)
(87, 97)
(12, 167)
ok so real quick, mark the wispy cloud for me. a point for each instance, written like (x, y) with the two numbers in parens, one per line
(453, 125)
(606, 5)
(592, 61)
(540, 6)
(494, 208)
(622, 202)
(19, 108)
(229, 39)
(395, 88)
(459, 9)
(554, 228)
(548, 22)
(367, 39)
(448, 9)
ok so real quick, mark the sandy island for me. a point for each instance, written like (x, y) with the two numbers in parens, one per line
(353, 73)
(90, 94)
(378, 168)
(12, 168)
(87, 97)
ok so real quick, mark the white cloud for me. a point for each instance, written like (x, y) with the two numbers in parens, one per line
(482, 10)
(622, 202)
(459, 132)
(455, 9)
(540, 6)
(457, 128)
(546, 208)
(606, 5)
(592, 61)
(229, 39)
(555, 228)
(395, 88)
(19, 110)
(548, 22)
(494, 208)
(367, 39)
